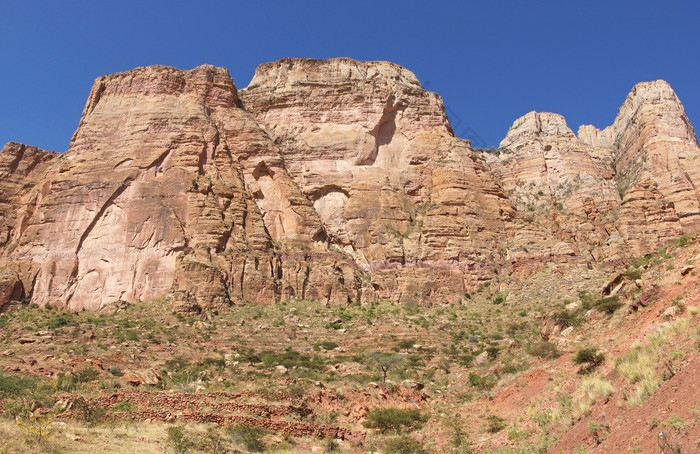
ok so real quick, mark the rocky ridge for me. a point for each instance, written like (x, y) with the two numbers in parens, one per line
(333, 180)
(602, 196)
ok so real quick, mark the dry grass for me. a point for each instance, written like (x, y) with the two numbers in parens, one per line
(75, 438)
(591, 390)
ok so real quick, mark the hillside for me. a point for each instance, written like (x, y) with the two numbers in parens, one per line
(214, 269)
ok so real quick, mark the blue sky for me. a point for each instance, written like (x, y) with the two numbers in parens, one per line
(490, 61)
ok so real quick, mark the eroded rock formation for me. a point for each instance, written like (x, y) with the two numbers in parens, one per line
(334, 180)
(604, 195)
(393, 186)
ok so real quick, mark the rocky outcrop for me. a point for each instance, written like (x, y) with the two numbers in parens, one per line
(167, 184)
(22, 168)
(395, 190)
(332, 180)
(602, 195)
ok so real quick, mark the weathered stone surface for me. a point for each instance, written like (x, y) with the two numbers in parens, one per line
(602, 195)
(21, 168)
(332, 180)
(392, 185)
(164, 163)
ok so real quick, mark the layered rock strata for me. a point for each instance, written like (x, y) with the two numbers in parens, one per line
(333, 180)
(393, 186)
(602, 195)
(161, 192)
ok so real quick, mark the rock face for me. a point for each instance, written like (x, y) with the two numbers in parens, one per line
(602, 195)
(22, 168)
(394, 188)
(333, 180)
(161, 191)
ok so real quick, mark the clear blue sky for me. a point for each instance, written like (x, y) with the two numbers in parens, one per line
(490, 61)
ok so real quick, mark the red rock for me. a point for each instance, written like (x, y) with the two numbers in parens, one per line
(333, 180)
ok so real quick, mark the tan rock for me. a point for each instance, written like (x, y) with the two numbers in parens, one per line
(393, 187)
(333, 180)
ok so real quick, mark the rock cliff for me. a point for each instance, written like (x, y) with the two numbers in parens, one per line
(601, 196)
(394, 188)
(333, 180)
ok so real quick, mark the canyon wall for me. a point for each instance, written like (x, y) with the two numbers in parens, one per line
(333, 180)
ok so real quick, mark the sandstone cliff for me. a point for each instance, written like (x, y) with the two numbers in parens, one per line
(393, 186)
(605, 195)
(22, 167)
(160, 192)
(333, 180)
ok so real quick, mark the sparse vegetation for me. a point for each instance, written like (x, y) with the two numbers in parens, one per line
(404, 445)
(251, 438)
(494, 424)
(588, 358)
(394, 419)
(347, 352)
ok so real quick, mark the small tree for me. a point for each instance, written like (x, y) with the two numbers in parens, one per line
(588, 358)
(407, 344)
(384, 361)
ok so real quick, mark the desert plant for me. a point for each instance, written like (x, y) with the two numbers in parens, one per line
(115, 370)
(542, 349)
(592, 390)
(86, 375)
(588, 358)
(12, 385)
(596, 430)
(36, 429)
(124, 406)
(325, 345)
(250, 437)
(179, 439)
(91, 413)
(495, 424)
(637, 367)
(566, 318)
(484, 383)
(609, 304)
(404, 445)
(394, 419)
(384, 361)
(407, 344)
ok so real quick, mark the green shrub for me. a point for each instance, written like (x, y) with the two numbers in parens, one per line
(177, 363)
(404, 445)
(567, 318)
(89, 412)
(394, 419)
(12, 385)
(124, 406)
(250, 437)
(179, 439)
(493, 352)
(115, 370)
(407, 344)
(86, 375)
(325, 345)
(59, 320)
(588, 358)
(543, 349)
(66, 382)
(495, 423)
(633, 274)
(218, 363)
(292, 359)
(484, 383)
(609, 304)
(683, 240)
